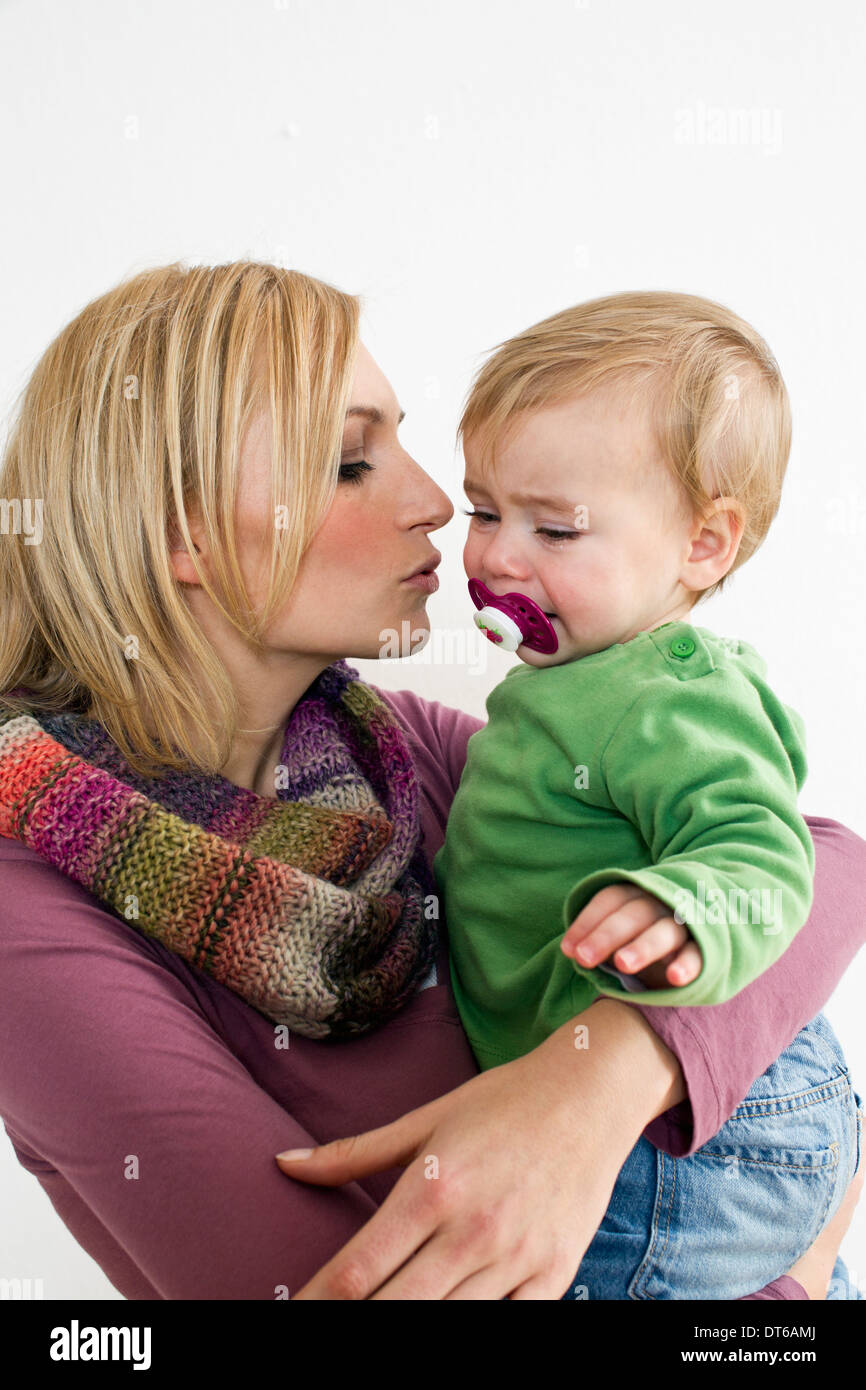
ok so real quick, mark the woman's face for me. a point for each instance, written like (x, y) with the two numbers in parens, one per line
(351, 596)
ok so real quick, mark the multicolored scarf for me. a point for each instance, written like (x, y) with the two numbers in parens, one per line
(310, 906)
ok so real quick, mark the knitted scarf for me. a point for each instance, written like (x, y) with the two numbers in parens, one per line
(310, 906)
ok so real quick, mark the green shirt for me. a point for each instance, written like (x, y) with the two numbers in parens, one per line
(666, 762)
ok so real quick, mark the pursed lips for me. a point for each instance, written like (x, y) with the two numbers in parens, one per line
(428, 566)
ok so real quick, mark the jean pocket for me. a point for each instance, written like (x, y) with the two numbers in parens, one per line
(739, 1212)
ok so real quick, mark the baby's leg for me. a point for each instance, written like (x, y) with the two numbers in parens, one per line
(748, 1205)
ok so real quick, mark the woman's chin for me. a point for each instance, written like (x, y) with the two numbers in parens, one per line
(405, 637)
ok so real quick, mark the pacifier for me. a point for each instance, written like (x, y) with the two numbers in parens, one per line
(512, 620)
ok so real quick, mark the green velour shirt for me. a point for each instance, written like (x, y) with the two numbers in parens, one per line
(666, 762)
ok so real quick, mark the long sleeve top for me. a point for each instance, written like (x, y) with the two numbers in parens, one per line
(666, 762)
(112, 1046)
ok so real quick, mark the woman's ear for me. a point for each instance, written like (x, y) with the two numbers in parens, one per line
(181, 562)
(715, 540)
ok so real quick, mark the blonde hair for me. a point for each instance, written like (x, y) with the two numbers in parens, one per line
(137, 409)
(719, 406)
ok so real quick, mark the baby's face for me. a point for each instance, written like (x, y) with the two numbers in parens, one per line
(584, 518)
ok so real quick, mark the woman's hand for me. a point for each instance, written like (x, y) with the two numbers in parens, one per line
(508, 1176)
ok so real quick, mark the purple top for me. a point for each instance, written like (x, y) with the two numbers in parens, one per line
(113, 1048)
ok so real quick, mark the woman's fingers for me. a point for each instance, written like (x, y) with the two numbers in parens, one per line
(509, 1182)
(394, 1234)
(492, 1284)
(473, 1276)
(357, 1155)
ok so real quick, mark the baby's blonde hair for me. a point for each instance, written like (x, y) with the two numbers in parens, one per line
(719, 406)
(134, 413)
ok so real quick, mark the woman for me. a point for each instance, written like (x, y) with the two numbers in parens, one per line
(171, 722)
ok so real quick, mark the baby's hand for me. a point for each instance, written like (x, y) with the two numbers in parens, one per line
(629, 929)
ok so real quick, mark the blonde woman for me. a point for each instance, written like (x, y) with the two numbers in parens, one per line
(219, 936)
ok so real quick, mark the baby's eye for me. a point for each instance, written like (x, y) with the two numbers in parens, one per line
(548, 531)
(557, 535)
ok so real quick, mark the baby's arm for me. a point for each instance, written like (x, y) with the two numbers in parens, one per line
(707, 770)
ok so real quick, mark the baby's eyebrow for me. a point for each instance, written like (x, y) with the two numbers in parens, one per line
(528, 499)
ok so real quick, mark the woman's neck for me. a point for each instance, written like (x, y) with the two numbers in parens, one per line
(267, 695)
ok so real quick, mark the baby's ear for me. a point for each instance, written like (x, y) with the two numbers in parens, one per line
(715, 542)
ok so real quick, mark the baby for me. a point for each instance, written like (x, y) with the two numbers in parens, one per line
(636, 783)
(639, 784)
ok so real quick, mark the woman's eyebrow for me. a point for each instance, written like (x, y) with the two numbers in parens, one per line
(372, 413)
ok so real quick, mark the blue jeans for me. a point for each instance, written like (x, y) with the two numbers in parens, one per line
(739, 1212)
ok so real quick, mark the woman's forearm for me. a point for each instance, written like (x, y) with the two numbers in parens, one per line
(612, 1053)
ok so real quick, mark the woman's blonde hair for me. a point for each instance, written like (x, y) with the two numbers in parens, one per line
(135, 412)
(718, 403)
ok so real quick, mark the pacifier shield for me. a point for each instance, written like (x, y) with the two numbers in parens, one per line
(512, 620)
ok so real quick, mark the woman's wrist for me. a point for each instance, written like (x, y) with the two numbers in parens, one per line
(610, 1057)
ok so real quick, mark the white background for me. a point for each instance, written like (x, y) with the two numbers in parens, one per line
(469, 167)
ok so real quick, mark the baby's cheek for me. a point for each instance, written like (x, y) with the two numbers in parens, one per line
(582, 602)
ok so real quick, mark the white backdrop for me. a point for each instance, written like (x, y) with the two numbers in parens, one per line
(471, 166)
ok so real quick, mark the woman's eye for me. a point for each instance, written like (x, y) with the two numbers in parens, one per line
(480, 516)
(353, 472)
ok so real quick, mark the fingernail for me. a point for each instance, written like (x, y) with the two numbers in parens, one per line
(585, 953)
(627, 958)
(295, 1153)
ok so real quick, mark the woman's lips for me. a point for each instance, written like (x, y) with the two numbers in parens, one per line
(426, 580)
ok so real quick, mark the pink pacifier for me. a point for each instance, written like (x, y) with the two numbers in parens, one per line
(512, 620)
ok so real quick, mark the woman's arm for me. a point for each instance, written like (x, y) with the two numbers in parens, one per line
(152, 1140)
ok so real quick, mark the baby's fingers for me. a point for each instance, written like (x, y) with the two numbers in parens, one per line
(616, 931)
(600, 907)
(656, 941)
(686, 965)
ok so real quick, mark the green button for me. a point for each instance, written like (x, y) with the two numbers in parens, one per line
(682, 647)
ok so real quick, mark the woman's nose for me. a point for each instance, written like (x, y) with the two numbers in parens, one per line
(427, 502)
